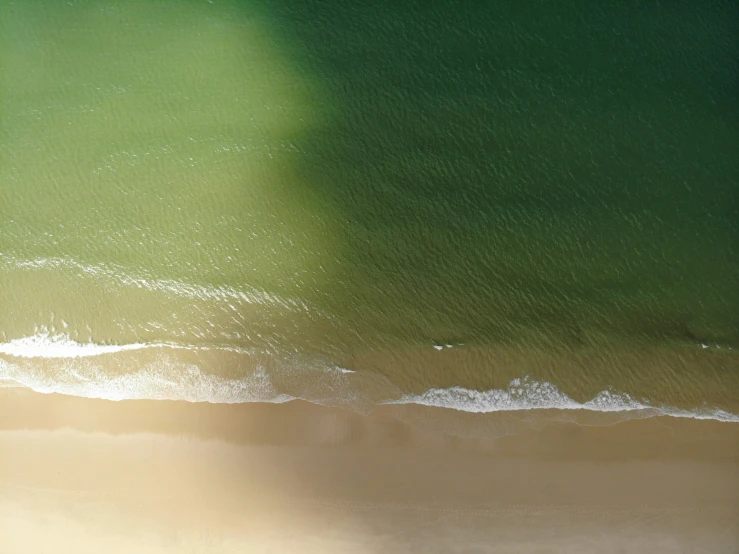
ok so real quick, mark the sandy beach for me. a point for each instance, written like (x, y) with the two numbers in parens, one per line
(82, 475)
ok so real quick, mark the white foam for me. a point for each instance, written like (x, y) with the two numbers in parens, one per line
(166, 379)
(160, 380)
(340, 369)
(527, 394)
(46, 345)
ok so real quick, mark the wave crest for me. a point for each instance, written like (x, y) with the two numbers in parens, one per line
(527, 394)
(57, 364)
(46, 345)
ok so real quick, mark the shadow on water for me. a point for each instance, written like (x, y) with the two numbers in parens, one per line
(501, 170)
(519, 175)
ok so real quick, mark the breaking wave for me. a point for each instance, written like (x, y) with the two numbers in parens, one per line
(57, 364)
(46, 345)
(527, 394)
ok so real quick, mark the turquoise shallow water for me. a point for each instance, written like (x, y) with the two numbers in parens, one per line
(427, 194)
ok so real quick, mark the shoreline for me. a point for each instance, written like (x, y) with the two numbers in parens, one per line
(158, 475)
(615, 382)
(301, 423)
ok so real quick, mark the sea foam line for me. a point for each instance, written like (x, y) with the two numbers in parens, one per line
(43, 344)
(527, 394)
(161, 380)
(169, 380)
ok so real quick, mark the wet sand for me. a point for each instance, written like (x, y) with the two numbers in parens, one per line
(81, 475)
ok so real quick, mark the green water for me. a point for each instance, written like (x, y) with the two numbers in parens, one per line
(361, 182)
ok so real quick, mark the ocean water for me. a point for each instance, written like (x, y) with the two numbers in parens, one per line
(476, 206)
